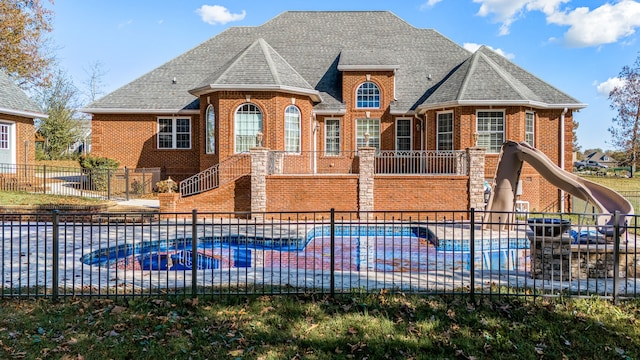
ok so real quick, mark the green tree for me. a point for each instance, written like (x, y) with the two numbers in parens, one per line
(59, 100)
(23, 44)
(625, 99)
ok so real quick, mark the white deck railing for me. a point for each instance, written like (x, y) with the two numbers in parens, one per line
(430, 162)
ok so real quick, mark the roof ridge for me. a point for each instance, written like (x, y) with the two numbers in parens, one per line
(264, 46)
(467, 76)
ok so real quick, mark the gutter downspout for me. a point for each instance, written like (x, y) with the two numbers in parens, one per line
(562, 149)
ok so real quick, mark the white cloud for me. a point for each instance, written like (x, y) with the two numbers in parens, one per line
(216, 14)
(429, 4)
(473, 47)
(602, 25)
(605, 88)
(508, 11)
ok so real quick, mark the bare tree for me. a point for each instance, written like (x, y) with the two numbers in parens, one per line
(625, 99)
(23, 44)
(95, 81)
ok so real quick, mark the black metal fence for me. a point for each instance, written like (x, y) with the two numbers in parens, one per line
(58, 254)
(109, 184)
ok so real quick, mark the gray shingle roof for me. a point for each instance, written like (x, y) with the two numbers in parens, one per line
(258, 67)
(14, 101)
(306, 50)
(487, 77)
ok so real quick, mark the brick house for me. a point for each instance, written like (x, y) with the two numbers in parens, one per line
(17, 134)
(345, 110)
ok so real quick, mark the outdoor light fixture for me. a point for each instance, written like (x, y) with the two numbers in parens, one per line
(259, 137)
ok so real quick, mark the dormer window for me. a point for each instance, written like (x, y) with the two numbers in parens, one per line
(368, 96)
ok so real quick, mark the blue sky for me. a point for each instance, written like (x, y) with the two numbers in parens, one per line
(577, 46)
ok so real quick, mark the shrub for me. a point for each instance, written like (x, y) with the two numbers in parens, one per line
(167, 186)
(98, 168)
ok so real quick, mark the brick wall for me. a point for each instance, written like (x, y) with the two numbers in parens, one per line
(131, 139)
(306, 193)
(421, 193)
(230, 197)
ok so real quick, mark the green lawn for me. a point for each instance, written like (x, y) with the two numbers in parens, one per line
(24, 198)
(377, 326)
(616, 183)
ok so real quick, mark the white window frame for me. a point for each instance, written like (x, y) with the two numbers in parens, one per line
(370, 95)
(530, 128)
(5, 136)
(410, 136)
(374, 138)
(257, 129)
(439, 133)
(210, 130)
(494, 131)
(174, 132)
(330, 135)
(292, 146)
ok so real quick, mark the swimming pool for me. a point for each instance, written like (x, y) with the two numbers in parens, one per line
(381, 248)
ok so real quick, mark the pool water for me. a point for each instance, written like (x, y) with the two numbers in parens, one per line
(356, 248)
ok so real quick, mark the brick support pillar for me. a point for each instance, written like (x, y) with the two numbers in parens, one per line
(365, 181)
(476, 178)
(259, 158)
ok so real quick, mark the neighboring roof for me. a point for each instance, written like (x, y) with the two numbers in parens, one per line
(305, 52)
(13, 101)
(487, 78)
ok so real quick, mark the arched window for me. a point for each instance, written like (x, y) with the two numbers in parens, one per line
(292, 129)
(368, 96)
(211, 130)
(248, 122)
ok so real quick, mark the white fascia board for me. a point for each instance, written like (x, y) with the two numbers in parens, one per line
(368, 67)
(313, 94)
(136, 111)
(27, 114)
(485, 103)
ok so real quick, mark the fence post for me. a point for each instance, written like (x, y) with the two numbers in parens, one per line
(332, 281)
(194, 254)
(108, 184)
(44, 176)
(472, 254)
(56, 253)
(616, 255)
(126, 182)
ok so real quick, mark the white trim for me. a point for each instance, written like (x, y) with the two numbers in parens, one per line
(314, 94)
(533, 133)
(28, 114)
(206, 130)
(452, 129)
(339, 120)
(13, 141)
(504, 125)
(174, 137)
(167, 112)
(299, 130)
(368, 67)
(537, 104)
(410, 133)
(379, 95)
